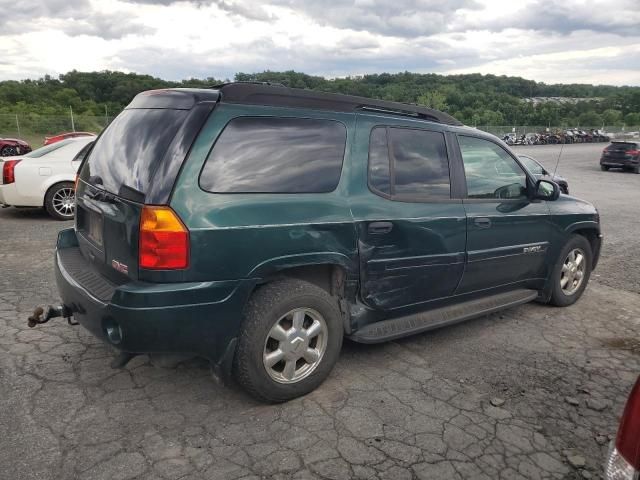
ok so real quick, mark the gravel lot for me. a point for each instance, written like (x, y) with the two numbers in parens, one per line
(533, 392)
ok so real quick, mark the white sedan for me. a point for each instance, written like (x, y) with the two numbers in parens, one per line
(44, 177)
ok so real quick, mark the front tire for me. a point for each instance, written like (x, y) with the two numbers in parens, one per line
(290, 339)
(604, 168)
(60, 201)
(571, 272)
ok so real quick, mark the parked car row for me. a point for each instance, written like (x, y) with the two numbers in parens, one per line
(560, 136)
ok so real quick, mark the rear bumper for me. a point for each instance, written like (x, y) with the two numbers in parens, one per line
(619, 162)
(140, 317)
(8, 194)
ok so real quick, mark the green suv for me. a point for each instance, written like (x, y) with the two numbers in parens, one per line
(257, 226)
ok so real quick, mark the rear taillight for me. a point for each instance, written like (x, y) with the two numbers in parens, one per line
(628, 439)
(633, 152)
(75, 183)
(164, 240)
(8, 171)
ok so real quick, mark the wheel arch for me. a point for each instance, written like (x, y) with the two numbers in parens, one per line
(335, 274)
(591, 231)
(52, 182)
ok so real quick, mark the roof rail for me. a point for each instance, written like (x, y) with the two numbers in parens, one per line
(264, 93)
(247, 82)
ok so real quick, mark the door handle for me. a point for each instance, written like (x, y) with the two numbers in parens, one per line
(482, 222)
(379, 228)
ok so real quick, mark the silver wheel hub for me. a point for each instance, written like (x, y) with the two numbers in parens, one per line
(573, 270)
(295, 345)
(64, 202)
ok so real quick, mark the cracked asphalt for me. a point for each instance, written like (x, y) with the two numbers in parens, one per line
(532, 392)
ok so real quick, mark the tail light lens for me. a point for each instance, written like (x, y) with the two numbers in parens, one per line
(633, 152)
(8, 171)
(628, 439)
(164, 240)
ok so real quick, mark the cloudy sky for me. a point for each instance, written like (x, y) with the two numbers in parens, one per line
(584, 41)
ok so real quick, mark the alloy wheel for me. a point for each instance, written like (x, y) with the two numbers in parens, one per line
(295, 345)
(64, 202)
(573, 271)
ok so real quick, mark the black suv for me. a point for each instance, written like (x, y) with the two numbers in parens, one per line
(258, 226)
(625, 155)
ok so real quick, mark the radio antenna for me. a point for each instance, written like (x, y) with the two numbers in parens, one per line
(558, 161)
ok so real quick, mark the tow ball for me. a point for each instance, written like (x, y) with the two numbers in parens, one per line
(41, 315)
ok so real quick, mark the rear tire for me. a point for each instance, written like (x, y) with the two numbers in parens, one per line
(59, 202)
(636, 169)
(571, 272)
(289, 341)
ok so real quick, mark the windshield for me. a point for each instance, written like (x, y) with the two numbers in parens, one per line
(39, 152)
(531, 165)
(128, 153)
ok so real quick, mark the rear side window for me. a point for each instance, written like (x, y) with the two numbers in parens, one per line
(409, 163)
(52, 147)
(131, 149)
(276, 155)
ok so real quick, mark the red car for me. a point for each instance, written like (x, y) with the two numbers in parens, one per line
(10, 147)
(62, 136)
(624, 457)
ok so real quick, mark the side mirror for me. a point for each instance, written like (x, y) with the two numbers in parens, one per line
(547, 190)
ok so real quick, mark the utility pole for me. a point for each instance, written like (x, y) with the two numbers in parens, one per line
(73, 126)
(18, 124)
(106, 116)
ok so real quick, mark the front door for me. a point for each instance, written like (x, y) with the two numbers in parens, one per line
(507, 233)
(411, 232)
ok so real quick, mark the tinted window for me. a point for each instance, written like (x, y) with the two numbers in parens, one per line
(131, 149)
(419, 164)
(533, 166)
(276, 155)
(491, 172)
(622, 146)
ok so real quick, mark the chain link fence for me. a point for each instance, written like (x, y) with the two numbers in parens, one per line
(33, 127)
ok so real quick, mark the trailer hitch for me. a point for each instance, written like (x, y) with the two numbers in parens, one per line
(41, 315)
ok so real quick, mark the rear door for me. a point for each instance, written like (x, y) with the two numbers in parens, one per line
(507, 234)
(411, 229)
(135, 161)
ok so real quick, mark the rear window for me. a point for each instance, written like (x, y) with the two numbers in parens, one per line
(622, 146)
(276, 155)
(130, 150)
(47, 149)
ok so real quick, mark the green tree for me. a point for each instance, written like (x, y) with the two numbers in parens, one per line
(434, 99)
(590, 119)
(632, 119)
(612, 117)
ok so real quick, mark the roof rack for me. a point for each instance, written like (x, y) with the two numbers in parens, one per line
(265, 93)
